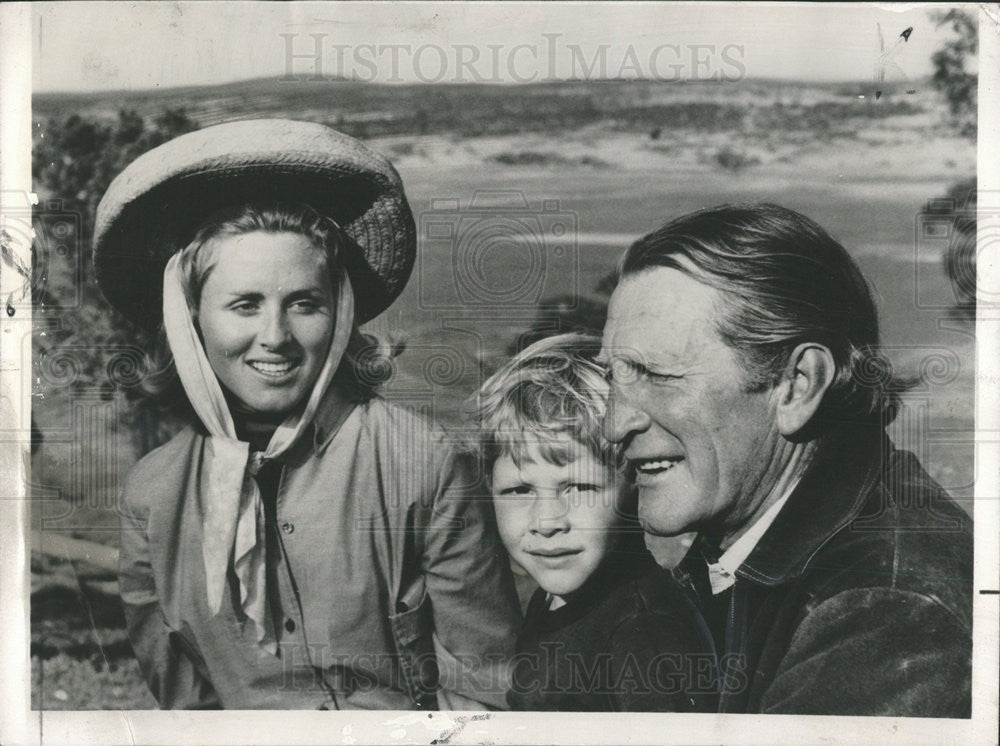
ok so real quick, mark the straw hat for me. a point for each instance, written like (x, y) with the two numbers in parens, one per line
(154, 207)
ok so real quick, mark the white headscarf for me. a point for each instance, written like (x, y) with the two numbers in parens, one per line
(233, 522)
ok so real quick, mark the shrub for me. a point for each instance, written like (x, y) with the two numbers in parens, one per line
(734, 160)
(81, 343)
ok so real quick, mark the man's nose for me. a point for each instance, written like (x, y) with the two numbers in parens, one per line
(622, 418)
(551, 515)
(274, 332)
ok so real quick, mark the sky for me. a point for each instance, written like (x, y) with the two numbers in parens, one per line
(81, 46)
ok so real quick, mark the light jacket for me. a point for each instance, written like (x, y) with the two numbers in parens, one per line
(388, 582)
(858, 598)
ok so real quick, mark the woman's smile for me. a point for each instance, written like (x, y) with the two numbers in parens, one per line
(275, 372)
(266, 318)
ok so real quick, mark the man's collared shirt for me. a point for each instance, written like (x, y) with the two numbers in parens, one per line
(853, 582)
(722, 574)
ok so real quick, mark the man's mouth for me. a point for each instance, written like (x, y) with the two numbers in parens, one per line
(273, 369)
(652, 467)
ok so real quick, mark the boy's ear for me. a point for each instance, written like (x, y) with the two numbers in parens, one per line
(808, 375)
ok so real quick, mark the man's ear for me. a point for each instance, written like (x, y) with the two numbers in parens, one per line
(809, 373)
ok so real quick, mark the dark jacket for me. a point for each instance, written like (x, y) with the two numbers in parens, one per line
(625, 642)
(858, 598)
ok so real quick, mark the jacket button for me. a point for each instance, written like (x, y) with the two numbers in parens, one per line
(287, 527)
(290, 625)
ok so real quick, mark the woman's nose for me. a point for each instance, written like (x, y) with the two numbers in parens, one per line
(551, 516)
(274, 332)
(622, 418)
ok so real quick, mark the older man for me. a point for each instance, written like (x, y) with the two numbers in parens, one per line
(832, 575)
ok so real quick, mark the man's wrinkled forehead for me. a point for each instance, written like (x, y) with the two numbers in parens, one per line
(662, 307)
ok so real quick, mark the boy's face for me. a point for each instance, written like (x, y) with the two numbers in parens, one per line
(557, 521)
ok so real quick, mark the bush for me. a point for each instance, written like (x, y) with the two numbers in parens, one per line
(734, 160)
(81, 343)
(535, 158)
(959, 87)
(951, 76)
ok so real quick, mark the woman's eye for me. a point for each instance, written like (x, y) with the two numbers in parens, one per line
(245, 307)
(305, 306)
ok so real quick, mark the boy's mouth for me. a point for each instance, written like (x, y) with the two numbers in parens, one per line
(554, 552)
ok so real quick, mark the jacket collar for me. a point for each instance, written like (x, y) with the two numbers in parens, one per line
(831, 494)
(338, 402)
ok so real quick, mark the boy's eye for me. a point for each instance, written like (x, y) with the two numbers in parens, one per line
(583, 487)
(520, 489)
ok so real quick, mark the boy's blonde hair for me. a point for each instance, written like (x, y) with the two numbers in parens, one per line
(551, 390)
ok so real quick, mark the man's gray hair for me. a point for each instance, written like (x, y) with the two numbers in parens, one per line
(783, 281)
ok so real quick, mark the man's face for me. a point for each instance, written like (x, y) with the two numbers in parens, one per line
(704, 453)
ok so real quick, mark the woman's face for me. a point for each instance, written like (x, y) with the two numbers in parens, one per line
(266, 315)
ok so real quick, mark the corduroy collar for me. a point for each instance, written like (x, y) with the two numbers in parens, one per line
(830, 495)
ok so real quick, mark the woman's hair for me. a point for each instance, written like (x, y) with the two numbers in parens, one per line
(197, 259)
(551, 390)
(367, 361)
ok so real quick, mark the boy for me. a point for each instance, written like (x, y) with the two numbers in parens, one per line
(607, 629)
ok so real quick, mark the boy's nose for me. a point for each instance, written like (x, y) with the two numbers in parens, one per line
(551, 516)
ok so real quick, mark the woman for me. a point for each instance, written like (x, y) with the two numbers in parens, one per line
(305, 544)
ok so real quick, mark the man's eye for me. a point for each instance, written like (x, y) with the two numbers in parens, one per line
(624, 372)
(659, 377)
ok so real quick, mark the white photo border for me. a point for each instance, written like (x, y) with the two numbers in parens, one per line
(21, 725)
